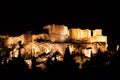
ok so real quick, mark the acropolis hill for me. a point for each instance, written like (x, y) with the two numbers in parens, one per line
(57, 38)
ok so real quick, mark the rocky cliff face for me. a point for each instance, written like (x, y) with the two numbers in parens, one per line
(43, 46)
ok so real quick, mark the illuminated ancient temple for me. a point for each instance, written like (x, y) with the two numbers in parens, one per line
(58, 38)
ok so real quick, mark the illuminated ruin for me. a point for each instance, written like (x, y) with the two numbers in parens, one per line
(58, 38)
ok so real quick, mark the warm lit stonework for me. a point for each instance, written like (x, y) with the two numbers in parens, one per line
(58, 38)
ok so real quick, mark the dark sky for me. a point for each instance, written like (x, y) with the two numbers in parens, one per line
(19, 17)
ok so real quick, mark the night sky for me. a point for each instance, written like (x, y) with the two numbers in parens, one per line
(20, 17)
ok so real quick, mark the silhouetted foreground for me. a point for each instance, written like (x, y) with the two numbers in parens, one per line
(102, 66)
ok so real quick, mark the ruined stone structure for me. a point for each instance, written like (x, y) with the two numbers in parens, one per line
(58, 38)
(59, 33)
(86, 38)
